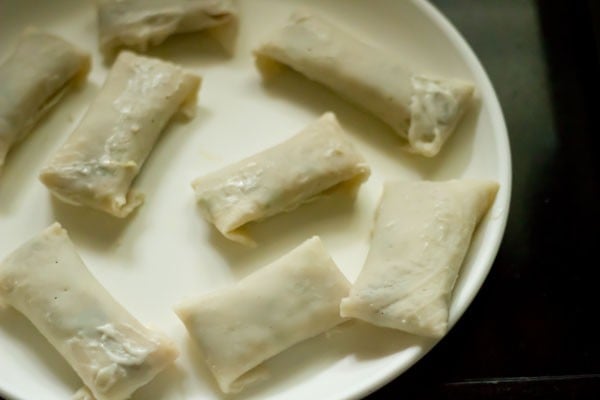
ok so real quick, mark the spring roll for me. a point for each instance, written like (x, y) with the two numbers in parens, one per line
(280, 178)
(138, 24)
(286, 302)
(101, 158)
(33, 79)
(421, 236)
(112, 352)
(422, 109)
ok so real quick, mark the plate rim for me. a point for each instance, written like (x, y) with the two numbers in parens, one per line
(502, 200)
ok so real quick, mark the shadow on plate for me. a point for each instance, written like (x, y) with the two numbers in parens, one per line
(174, 138)
(370, 342)
(279, 234)
(369, 131)
(313, 356)
(227, 36)
(166, 385)
(199, 367)
(88, 227)
(19, 329)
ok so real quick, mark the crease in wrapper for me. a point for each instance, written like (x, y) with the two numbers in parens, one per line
(424, 110)
(309, 165)
(422, 233)
(112, 352)
(239, 327)
(98, 163)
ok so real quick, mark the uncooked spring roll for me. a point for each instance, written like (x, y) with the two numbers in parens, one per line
(99, 161)
(421, 236)
(33, 79)
(112, 352)
(420, 108)
(286, 302)
(138, 24)
(280, 178)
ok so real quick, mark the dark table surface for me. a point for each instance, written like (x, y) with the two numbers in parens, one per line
(531, 331)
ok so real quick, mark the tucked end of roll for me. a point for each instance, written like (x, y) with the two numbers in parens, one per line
(62, 184)
(436, 107)
(267, 66)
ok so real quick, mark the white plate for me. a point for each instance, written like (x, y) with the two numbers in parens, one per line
(166, 250)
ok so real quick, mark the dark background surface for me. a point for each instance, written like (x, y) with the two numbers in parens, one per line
(531, 332)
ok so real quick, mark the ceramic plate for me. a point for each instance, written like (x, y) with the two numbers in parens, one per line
(166, 251)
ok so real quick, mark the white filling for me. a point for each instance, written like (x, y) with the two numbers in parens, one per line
(435, 108)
